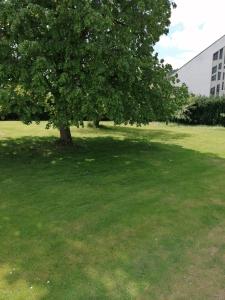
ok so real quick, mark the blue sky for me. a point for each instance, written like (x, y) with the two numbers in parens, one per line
(195, 24)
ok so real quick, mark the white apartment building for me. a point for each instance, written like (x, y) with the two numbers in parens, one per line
(205, 73)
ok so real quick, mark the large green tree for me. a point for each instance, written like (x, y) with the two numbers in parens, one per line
(81, 59)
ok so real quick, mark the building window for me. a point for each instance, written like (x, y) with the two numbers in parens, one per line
(221, 53)
(215, 55)
(223, 75)
(218, 89)
(223, 86)
(220, 66)
(212, 91)
(219, 76)
(213, 78)
(214, 69)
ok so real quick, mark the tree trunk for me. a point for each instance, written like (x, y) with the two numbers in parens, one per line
(96, 123)
(65, 136)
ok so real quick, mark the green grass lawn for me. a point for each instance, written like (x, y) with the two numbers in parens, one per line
(130, 213)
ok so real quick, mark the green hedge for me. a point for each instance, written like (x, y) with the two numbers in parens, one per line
(15, 117)
(203, 111)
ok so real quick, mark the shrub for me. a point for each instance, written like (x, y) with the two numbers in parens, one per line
(203, 111)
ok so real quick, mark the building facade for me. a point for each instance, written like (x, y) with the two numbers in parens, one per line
(205, 73)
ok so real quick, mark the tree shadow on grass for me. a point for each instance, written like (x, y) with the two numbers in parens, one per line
(146, 132)
(110, 219)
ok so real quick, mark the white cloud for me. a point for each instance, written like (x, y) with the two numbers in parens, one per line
(202, 23)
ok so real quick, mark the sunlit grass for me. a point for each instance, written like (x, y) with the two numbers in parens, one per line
(127, 213)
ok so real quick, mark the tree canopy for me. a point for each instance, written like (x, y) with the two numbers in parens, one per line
(82, 59)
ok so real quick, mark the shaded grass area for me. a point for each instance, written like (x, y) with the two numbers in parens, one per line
(128, 214)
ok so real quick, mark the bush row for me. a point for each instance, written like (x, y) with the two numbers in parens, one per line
(15, 117)
(203, 111)
(199, 111)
